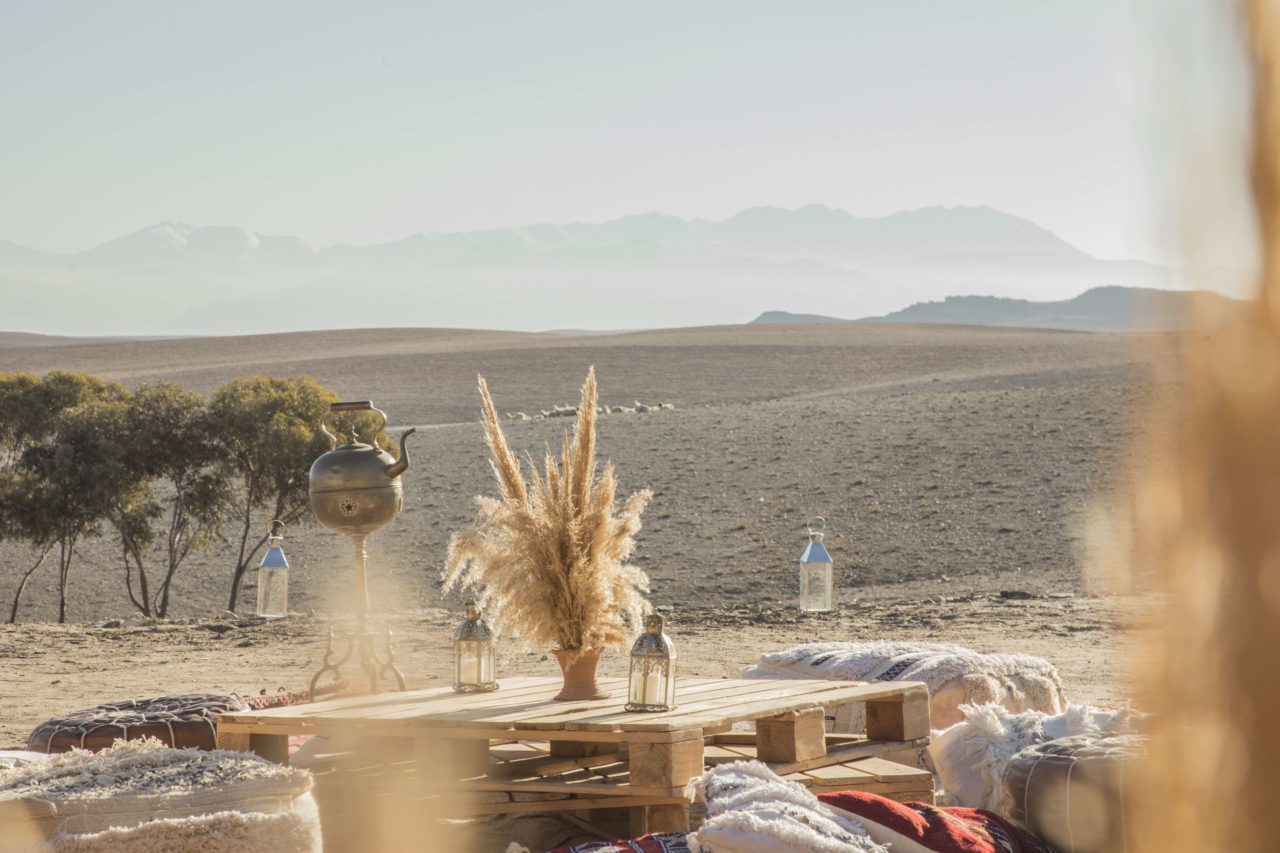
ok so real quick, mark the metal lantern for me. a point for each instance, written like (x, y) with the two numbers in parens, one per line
(474, 670)
(653, 670)
(817, 583)
(273, 576)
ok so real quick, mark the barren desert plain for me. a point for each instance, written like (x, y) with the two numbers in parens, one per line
(956, 467)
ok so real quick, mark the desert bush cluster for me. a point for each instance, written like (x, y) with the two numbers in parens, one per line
(163, 470)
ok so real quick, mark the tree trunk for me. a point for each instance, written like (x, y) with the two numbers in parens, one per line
(64, 565)
(174, 552)
(162, 607)
(22, 585)
(247, 519)
(142, 603)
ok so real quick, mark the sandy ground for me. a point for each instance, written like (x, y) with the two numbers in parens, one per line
(50, 668)
(952, 464)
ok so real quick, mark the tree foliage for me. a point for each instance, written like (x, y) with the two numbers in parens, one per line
(52, 488)
(167, 439)
(168, 471)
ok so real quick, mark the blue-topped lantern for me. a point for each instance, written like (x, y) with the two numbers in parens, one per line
(273, 576)
(817, 580)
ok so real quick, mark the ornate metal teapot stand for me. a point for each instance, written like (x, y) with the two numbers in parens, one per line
(377, 668)
(362, 642)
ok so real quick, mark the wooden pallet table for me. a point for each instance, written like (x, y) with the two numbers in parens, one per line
(517, 749)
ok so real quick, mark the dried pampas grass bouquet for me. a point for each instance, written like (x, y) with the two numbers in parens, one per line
(548, 560)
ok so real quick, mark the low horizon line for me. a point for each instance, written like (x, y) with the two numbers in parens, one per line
(588, 332)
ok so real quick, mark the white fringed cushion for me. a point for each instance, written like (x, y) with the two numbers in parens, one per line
(955, 676)
(143, 796)
(970, 757)
(750, 809)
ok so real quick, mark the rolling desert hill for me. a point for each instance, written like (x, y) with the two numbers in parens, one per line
(644, 271)
(1099, 309)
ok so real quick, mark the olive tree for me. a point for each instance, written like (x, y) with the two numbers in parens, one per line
(74, 480)
(21, 419)
(178, 507)
(269, 431)
(44, 454)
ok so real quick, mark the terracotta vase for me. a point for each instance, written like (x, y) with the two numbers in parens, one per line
(579, 668)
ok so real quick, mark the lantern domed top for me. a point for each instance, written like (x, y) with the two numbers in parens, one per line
(472, 628)
(653, 643)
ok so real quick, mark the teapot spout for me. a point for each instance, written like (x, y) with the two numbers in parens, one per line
(395, 469)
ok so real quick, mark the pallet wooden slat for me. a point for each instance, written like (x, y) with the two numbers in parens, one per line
(775, 698)
(527, 703)
(888, 771)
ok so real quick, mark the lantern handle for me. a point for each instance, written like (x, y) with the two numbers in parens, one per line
(820, 527)
(276, 524)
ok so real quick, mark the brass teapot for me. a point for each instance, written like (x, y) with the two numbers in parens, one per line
(355, 489)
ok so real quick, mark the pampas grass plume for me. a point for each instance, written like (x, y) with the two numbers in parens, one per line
(547, 560)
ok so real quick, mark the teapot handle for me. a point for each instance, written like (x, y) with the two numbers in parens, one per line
(351, 406)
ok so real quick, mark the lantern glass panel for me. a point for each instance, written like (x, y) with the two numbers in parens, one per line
(817, 587)
(653, 684)
(474, 667)
(273, 592)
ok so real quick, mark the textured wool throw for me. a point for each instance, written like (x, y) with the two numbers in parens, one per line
(141, 796)
(955, 676)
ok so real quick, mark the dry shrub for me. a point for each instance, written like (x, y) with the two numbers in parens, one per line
(548, 560)
(1214, 520)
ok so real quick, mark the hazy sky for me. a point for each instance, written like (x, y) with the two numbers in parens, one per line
(365, 122)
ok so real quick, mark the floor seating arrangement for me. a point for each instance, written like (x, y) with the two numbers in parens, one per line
(1074, 792)
(1014, 781)
(955, 675)
(970, 757)
(752, 810)
(140, 796)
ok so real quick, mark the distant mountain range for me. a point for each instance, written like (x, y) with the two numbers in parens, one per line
(1099, 309)
(642, 271)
